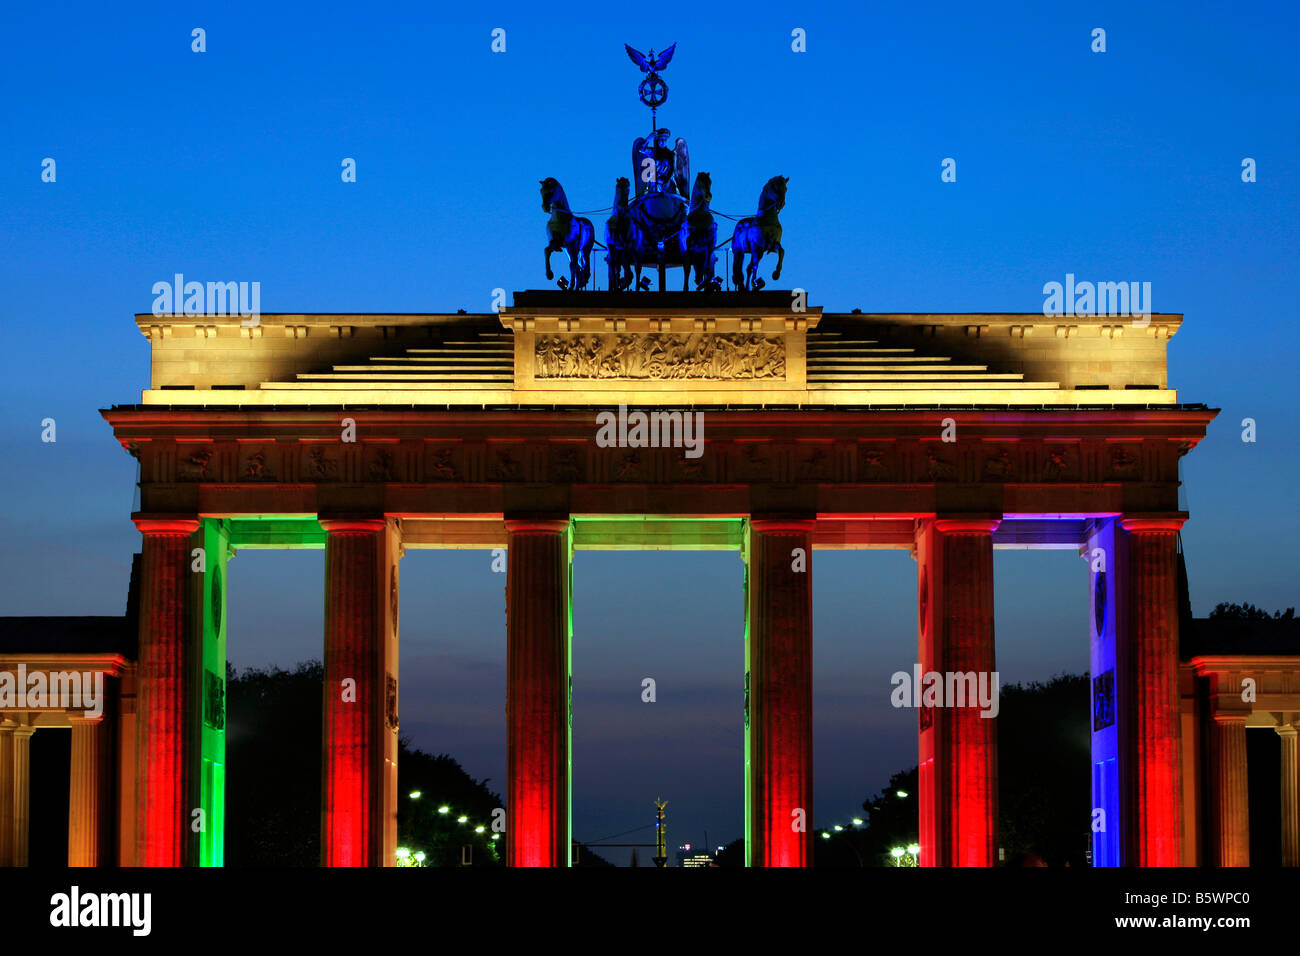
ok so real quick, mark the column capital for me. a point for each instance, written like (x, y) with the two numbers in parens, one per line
(966, 524)
(165, 524)
(352, 524)
(534, 524)
(777, 524)
(1153, 524)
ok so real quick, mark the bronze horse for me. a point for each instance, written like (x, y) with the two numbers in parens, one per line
(621, 239)
(699, 236)
(569, 232)
(757, 235)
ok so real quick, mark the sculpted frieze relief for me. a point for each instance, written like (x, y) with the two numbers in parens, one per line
(573, 461)
(660, 356)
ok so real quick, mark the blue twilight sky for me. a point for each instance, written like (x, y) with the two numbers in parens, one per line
(224, 165)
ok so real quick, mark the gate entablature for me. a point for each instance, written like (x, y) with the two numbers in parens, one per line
(285, 461)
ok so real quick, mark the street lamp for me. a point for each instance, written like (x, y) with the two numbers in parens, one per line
(414, 794)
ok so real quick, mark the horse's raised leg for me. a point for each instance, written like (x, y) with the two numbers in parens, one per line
(549, 273)
(780, 258)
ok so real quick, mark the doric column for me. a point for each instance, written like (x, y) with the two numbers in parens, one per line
(778, 670)
(167, 694)
(125, 742)
(22, 777)
(1290, 793)
(86, 795)
(1147, 694)
(1231, 806)
(538, 692)
(6, 793)
(958, 740)
(208, 672)
(359, 712)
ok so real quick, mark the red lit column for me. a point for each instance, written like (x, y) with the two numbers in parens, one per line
(359, 709)
(86, 792)
(537, 692)
(779, 668)
(958, 775)
(166, 695)
(1147, 701)
(1231, 808)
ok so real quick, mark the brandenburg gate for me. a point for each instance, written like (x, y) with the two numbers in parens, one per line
(946, 435)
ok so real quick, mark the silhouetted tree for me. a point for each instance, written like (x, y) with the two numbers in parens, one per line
(442, 837)
(1044, 771)
(733, 854)
(273, 779)
(1248, 612)
(273, 766)
(1044, 797)
(892, 818)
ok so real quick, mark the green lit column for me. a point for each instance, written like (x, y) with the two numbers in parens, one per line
(207, 786)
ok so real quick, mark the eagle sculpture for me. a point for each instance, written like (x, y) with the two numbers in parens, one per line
(648, 62)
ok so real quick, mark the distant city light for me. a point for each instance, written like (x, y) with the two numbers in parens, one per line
(462, 819)
(857, 821)
(415, 794)
(902, 794)
(444, 809)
